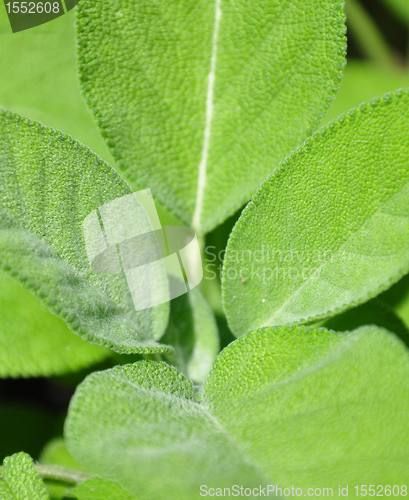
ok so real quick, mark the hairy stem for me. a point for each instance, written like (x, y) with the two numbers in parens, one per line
(62, 475)
(367, 34)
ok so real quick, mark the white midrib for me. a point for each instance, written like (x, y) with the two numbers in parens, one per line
(201, 182)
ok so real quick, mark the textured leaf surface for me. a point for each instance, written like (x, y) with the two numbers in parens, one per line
(139, 425)
(316, 408)
(49, 183)
(34, 342)
(100, 488)
(200, 100)
(39, 79)
(20, 481)
(192, 331)
(363, 81)
(299, 406)
(327, 230)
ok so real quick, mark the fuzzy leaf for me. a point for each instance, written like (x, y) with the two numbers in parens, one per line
(192, 331)
(100, 488)
(327, 230)
(34, 342)
(200, 100)
(315, 408)
(20, 481)
(140, 425)
(49, 183)
(289, 406)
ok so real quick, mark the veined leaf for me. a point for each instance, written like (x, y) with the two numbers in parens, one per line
(100, 488)
(286, 406)
(49, 184)
(200, 100)
(363, 81)
(314, 408)
(192, 332)
(34, 342)
(19, 479)
(140, 425)
(327, 230)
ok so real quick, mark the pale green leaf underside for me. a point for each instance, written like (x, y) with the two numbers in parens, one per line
(19, 479)
(192, 332)
(34, 342)
(327, 230)
(39, 79)
(49, 183)
(291, 406)
(200, 100)
(100, 488)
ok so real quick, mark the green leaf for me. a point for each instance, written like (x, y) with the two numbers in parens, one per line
(39, 79)
(192, 331)
(329, 229)
(375, 312)
(49, 184)
(314, 408)
(363, 81)
(19, 479)
(42, 344)
(200, 100)
(299, 406)
(100, 488)
(140, 425)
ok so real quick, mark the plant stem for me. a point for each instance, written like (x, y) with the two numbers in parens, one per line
(368, 35)
(62, 475)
